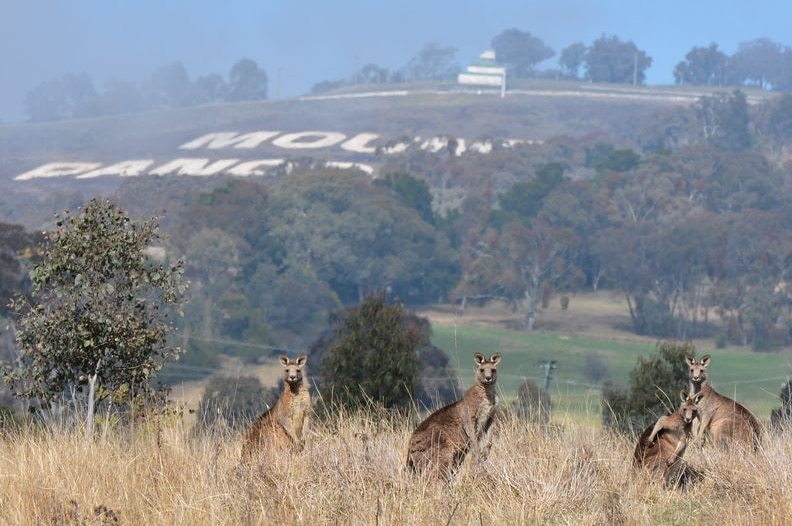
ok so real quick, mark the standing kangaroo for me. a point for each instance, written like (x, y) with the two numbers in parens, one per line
(283, 426)
(721, 417)
(441, 442)
(660, 447)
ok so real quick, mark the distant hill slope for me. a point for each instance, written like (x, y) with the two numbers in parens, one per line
(357, 125)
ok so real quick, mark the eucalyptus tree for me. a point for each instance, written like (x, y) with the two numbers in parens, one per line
(100, 312)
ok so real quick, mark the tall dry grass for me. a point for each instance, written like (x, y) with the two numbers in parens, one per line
(352, 473)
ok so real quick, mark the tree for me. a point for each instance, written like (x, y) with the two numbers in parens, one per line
(655, 382)
(121, 97)
(760, 62)
(358, 237)
(373, 356)
(433, 62)
(413, 192)
(209, 89)
(613, 61)
(521, 51)
(247, 81)
(101, 311)
(726, 120)
(168, 86)
(572, 57)
(524, 200)
(371, 74)
(69, 97)
(703, 66)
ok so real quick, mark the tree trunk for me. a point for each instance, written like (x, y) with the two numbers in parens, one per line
(89, 421)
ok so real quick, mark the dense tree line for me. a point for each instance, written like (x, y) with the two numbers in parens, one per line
(169, 86)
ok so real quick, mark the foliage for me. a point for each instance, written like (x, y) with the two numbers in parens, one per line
(168, 86)
(234, 402)
(655, 382)
(101, 308)
(608, 59)
(246, 81)
(413, 193)
(358, 237)
(433, 62)
(437, 384)
(572, 58)
(761, 62)
(703, 66)
(520, 50)
(373, 356)
(70, 97)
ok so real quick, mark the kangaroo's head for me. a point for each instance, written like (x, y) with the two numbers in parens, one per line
(698, 369)
(487, 368)
(293, 369)
(689, 407)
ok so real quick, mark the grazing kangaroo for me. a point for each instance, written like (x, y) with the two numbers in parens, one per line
(721, 417)
(441, 442)
(660, 447)
(283, 426)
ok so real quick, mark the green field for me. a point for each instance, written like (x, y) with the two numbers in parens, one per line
(753, 379)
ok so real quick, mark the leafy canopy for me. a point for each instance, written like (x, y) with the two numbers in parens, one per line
(100, 306)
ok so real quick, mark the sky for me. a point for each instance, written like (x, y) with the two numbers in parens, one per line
(301, 42)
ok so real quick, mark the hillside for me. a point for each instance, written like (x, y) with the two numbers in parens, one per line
(363, 127)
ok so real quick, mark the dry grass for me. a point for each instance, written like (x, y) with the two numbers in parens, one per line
(351, 473)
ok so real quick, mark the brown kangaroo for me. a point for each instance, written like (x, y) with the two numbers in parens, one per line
(283, 426)
(720, 417)
(661, 446)
(441, 442)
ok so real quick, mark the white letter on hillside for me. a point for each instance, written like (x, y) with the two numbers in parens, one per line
(124, 169)
(220, 140)
(193, 167)
(56, 170)
(294, 141)
(358, 143)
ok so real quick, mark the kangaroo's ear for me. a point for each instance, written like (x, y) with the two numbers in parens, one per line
(495, 358)
(302, 359)
(705, 360)
(698, 396)
(283, 360)
(479, 358)
(683, 395)
(690, 360)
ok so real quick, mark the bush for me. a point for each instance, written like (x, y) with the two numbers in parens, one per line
(372, 356)
(437, 383)
(655, 382)
(596, 368)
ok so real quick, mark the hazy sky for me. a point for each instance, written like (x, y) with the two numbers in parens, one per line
(314, 40)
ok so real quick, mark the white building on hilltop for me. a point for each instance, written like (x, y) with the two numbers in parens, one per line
(486, 72)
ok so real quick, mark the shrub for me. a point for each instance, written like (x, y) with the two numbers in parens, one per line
(654, 383)
(372, 355)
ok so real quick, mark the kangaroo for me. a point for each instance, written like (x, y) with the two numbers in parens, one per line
(441, 442)
(721, 417)
(283, 426)
(660, 447)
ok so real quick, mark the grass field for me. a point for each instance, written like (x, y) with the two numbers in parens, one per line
(351, 473)
(591, 325)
